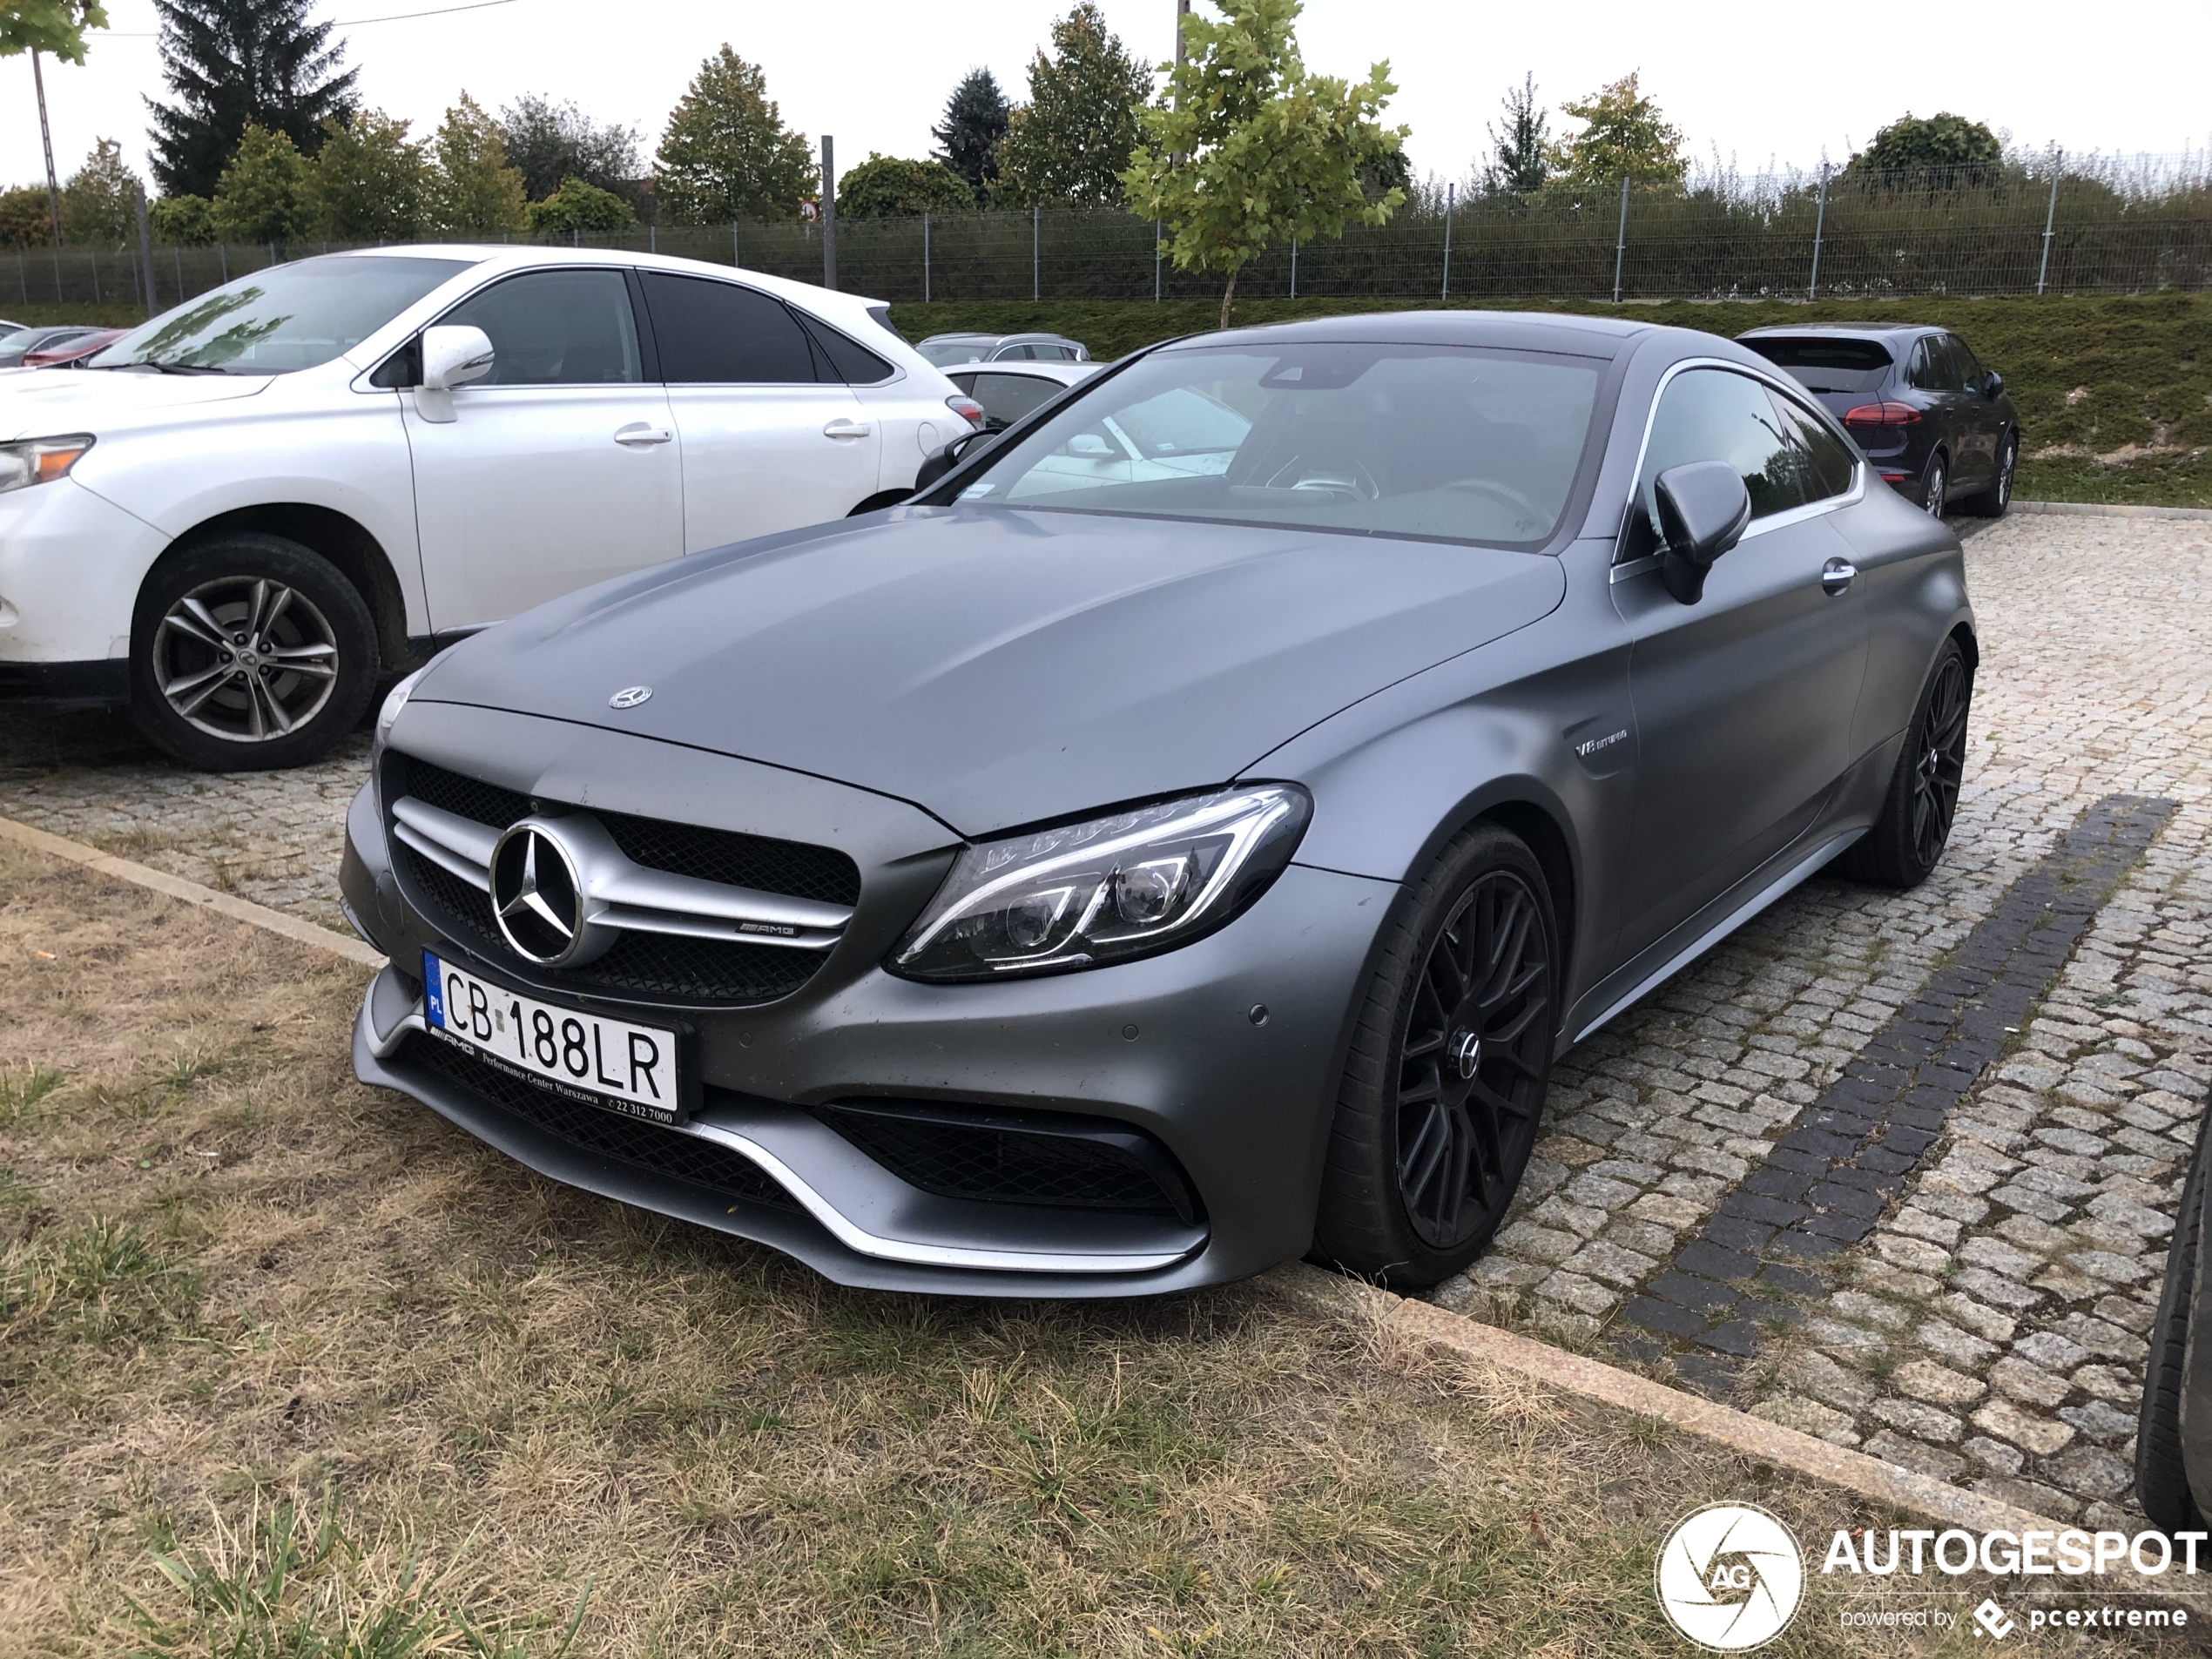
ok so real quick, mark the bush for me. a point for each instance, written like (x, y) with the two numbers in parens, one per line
(189, 220)
(891, 187)
(579, 206)
(26, 218)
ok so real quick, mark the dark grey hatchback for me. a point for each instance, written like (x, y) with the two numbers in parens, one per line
(1181, 840)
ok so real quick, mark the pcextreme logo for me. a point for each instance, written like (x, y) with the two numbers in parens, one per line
(1731, 1576)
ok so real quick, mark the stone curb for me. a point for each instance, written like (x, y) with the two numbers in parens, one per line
(2098, 509)
(275, 921)
(1351, 1302)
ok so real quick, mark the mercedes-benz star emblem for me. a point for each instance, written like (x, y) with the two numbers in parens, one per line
(536, 895)
(629, 697)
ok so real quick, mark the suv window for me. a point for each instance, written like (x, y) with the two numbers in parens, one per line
(556, 329)
(1828, 462)
(1007, 398)
(1969, 367)
(1713, 415)
(1932, 370)
(840, 359)
(1826, 364)
(719, 334)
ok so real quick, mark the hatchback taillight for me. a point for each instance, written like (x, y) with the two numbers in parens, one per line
(967, 408)
(1882, 415)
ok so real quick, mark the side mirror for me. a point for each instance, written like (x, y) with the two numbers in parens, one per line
(1703, 509)
(452, 355)
(1993, 383)
(941, 462)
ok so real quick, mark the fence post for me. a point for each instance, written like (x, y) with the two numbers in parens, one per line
(652, 239)
(177, 256)
(1155, 261)
(1621, 241)
(223, 254)
(829, 213)
(736, 263)
(1294, 267)
(145, 252)
(2050, 217)
(1036, 238)
(93, 255)
(925, 257)
(1819, 224)
(1450, 198)
(57, 273)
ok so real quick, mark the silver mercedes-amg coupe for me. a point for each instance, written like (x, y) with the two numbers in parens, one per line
(1180, 838)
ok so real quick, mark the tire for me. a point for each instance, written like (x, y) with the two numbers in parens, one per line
(1444, 1086)
(2161, 1477)
(1992, 502)
(1935, 486)
(1908, 837)
(249, 652)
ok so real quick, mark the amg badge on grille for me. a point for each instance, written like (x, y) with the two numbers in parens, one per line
(629, 697)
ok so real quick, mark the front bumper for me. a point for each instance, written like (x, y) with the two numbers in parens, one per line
(1171, 1045)
(70, 566)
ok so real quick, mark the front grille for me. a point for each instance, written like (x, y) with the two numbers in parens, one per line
(1000, 1158)
(647, 1146)
(664, 967)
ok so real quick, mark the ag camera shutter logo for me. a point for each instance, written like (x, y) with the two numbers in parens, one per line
(1731, 1576)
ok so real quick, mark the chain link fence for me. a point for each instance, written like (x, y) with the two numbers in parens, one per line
(2100, 225)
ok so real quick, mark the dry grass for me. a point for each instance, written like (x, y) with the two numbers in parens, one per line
(288, 1367)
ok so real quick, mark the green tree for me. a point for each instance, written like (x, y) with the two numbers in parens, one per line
(54, 26)
(264, 195)
(474, 192)
(579, 206)
(187, 220)
(100, 201)
(1520, 150)
(1067, 146)
(727, 154)
(1624, 135)
(1939, 149)
(26, 217)
(1246, 148)
(976, 118)
(891, 187)
(237, 64)
(549, 144)
(369, 182)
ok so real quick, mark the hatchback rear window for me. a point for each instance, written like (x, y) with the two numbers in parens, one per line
(1827, 365)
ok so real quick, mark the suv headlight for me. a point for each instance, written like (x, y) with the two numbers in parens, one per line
(1086, 894)
(40, 460)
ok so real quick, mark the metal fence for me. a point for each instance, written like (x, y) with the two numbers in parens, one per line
(2033, 224)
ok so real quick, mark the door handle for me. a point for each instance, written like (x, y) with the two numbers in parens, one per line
(1836, 575)
(842, 427)
(637, 434)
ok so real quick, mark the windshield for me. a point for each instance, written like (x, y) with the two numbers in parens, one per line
(285, 318)
(1821, 364)
(969, 349)
(1449, 441)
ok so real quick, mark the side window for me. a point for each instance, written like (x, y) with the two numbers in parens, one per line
(1712, 415)
(1007, 398)
(1926, 371)
(556, 329)
(1969, 366)
(1828, 462)
(717, 334)
(842, 359)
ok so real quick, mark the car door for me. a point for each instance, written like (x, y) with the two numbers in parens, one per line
(558, 468)
(1743, 700)
(771, 440)
(1935, 375)
(1979, 423)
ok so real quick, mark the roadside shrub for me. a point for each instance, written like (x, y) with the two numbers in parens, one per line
(182, 220)
(579, 206)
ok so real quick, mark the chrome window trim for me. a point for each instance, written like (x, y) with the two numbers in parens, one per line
(1622, 569)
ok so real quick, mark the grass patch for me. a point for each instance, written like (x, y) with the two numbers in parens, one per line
(511, 1391)
(2114, 392)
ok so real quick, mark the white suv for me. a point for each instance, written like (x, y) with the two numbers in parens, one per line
(241, 516)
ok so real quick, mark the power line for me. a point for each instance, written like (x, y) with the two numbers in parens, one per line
(336, 23)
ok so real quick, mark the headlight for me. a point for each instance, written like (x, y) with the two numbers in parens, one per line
(1081, 896)
(40, 460)
(395, 700)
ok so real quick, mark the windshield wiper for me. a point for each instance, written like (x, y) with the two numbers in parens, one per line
(165, 368)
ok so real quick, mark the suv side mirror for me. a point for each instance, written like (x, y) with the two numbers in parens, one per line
(452, 355)
(1993, 383)
(942, 461)
(1703, 509)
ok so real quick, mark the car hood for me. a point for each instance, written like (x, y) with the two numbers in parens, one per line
(999, 667)
(37, 402)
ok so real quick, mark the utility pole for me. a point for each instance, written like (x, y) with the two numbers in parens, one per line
(829, 213)
(145, 253)
(46, 137)
(1621, 241)
(1181, 10)
(2050, 219)
(1819, 225)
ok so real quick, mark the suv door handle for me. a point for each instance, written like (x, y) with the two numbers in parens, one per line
(1836, 575)
(842, 427)
(637, 434)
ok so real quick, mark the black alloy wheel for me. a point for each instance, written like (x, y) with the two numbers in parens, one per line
(2161, 1471)
(1908, 837)
(1934, 488)
(1445, 1087)
(1992, 502)
(250, 652)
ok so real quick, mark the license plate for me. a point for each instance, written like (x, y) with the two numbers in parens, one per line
(629, 1069)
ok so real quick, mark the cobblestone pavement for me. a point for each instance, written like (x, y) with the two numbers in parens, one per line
(1980, 1316)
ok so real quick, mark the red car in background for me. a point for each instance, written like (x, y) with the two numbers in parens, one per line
(68, 353)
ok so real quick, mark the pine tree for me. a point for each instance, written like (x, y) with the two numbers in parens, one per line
(236, 63)
(475, 191)
(1067, 146)
(727, 154)
(100, 201)
(1522, 151)
(975, 116)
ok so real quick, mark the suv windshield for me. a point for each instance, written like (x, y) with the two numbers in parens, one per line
(1449, 442)
(960, 348)
(1825, 364)
(285, 318)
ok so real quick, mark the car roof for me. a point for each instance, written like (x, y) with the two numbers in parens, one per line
(1510, 330)
(1042, 368)
(522, 258)
(1881, 331)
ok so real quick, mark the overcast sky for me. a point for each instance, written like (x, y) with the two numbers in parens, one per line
(1788, 83)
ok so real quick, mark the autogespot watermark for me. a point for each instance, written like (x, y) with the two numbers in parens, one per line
(1731, 1577)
